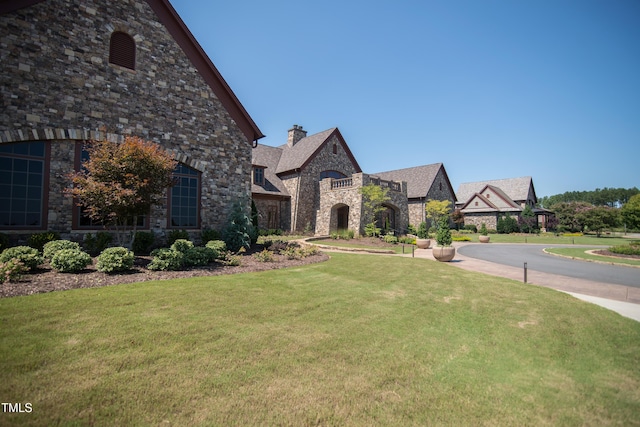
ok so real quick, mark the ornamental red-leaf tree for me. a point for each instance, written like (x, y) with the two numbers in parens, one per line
(121, 182)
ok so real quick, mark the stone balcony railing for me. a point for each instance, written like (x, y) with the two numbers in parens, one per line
(360, 180)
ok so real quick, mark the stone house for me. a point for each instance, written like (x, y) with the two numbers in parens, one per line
(74, 71)
(485, 201)
(312, 184)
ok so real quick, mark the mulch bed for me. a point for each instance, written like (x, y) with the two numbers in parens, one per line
(605, 252)
(45, 279)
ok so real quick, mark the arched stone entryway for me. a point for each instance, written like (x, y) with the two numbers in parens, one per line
(386, 219)
(339, 217)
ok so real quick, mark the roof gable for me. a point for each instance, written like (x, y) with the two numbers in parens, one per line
(268, 158)
(419, 179)
(304, 151)
(187, 42)
(517, 189)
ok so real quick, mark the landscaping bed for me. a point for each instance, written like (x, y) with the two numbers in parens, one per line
(45, 279)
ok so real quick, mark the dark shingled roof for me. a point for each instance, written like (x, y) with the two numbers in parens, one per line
(268, 157)
(295, 157)
(419, 178)
(515, 188)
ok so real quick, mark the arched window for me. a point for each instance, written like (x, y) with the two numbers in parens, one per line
(122, 50)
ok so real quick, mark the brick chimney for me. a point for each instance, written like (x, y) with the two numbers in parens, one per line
(295, 134)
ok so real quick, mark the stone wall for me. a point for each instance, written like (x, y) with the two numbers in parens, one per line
(56, 84)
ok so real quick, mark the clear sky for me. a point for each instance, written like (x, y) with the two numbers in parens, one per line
(491, 88)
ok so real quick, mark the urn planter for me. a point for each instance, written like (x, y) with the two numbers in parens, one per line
(484, 239)
(444, 253)
(423, 243)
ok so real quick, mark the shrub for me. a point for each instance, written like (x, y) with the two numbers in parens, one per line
(240, 232)
(199, 255)
(143, 241)
(422, 232)
(264, 256)
(483, 229)
(166, 259)
(54, 246)
(182, 245)
(407, 240)
(370, 230)
(38, 240)
(411, 229)
(218, 246)
(209, 234)
(507, 225)
(12, 270)
(27, 255)
(460, 238)
(630, 249)
(228, 258)
(176, 235)
(443, 235)
(4, 241)
(70, 260)
(277, 246)
(390, 238)
(98, 243)
(471, 227)
(113, 260)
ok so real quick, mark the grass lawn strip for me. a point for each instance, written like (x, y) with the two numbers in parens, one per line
(586, 254)
(357, 340)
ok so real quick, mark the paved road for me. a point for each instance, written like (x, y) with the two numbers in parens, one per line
(515, 255)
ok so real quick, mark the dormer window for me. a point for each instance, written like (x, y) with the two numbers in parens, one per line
(258, 175)
(122, 50)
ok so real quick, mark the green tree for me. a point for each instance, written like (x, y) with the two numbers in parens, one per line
(507, 224)
(373, 199)
(599, 218)
(121, 181)
(458, 218)
(528, 222)
(437, 210)
(567, 214)
(630, 213)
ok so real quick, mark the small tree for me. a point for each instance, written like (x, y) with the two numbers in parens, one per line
(436, 210)
(373, 199)
(458, 218)
(599, 218)
(527, 221)
(121, 181)
(443, 235)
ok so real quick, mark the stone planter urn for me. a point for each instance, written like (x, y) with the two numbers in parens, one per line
(423, 243)
(444, 253)
(484, 239)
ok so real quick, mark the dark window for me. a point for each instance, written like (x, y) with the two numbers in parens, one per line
(184, 198)
(258, 176)
(332, 174)
(335, 149)
(23, 169)
(122, 50)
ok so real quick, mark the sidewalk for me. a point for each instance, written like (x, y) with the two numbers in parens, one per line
(621, 299)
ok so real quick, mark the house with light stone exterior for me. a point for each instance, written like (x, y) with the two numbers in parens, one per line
(72, 71)
(312, 184)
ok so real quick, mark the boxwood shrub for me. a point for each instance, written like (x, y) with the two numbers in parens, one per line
(70, 260)
(54, 246)
(113, 260)
(27, 255)
(166, 259)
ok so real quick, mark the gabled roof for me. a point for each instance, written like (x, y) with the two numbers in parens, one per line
(268, 157)
(304, 151)
(491, 206)
(419, 179)
(179, 31)
(514, 188)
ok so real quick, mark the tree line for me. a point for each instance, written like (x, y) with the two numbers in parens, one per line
(612, 197)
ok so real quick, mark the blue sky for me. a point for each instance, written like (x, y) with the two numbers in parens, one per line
(491, 88)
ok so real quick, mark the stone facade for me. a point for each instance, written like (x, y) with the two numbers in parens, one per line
(58, 86)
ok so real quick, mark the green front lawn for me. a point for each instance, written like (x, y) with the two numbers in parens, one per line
(550, 238)
(581, 253)
(358, 340)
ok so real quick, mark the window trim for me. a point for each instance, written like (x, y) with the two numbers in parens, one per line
(123, 51)
(46, 172)
(255, 178)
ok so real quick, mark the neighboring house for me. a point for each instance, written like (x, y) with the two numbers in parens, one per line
(486, 201)
(313, 184)
(74, 71)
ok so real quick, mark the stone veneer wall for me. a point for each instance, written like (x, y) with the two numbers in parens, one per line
(56, 84)
(265, 204)
(305, 199)
(439, 190)
(490, 220)
(332, 199)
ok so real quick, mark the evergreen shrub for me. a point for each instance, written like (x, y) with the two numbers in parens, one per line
(143, 241)
(113, 260)
(38, 240)
(70, 260)
(28, 256)
(51, 248)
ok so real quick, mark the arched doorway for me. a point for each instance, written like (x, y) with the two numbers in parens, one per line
(342, 214)
(386, 219)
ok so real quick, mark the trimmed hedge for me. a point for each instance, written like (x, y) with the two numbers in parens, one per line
(27, 255)
(51, 248)
(70, 260)
(113, 260)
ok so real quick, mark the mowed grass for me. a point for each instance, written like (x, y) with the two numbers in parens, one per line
(581, 253)
(551, 238)
(358, 340)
